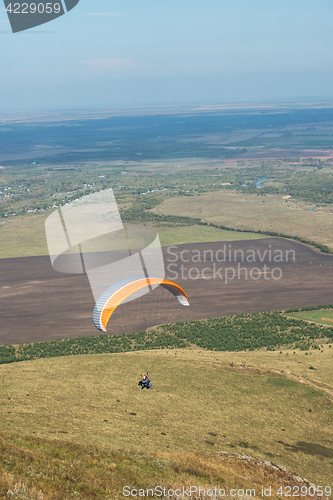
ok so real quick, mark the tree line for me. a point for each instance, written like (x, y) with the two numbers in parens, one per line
(246, 332)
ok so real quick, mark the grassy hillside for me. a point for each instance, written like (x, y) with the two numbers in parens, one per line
(200, 402)
(60, 470)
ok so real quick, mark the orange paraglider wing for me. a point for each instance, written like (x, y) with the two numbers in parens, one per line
(117, 293)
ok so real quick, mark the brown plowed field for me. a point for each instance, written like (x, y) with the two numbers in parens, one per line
(38, 303)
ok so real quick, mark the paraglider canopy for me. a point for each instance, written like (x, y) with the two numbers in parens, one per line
(117, 293)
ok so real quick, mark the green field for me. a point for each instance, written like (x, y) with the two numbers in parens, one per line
(317, 316)
(25, 236)
(198, 234)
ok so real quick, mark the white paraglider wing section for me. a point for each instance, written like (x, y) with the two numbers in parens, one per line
(57, 241)
(153, 260)
(103, 277)
(91, 216)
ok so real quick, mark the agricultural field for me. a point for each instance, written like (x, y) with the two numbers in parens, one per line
(324, 317)
(246, 212)
(94, 401)
(24, 236)
(50, 305)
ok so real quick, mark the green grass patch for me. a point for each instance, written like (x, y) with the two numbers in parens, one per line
(318, 316)
(284, 383)
(311, 393)
(201, 234)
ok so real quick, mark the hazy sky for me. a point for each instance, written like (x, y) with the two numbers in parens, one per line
(135, 52)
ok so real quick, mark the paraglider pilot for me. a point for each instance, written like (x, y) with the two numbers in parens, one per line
(145, 382)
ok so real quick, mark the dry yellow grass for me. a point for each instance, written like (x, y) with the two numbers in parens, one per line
(23, 236)
(244, 211)
(39, 469)
(199, 403)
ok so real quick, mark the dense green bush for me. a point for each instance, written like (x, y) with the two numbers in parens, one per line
(250, 331)
(270, 330)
